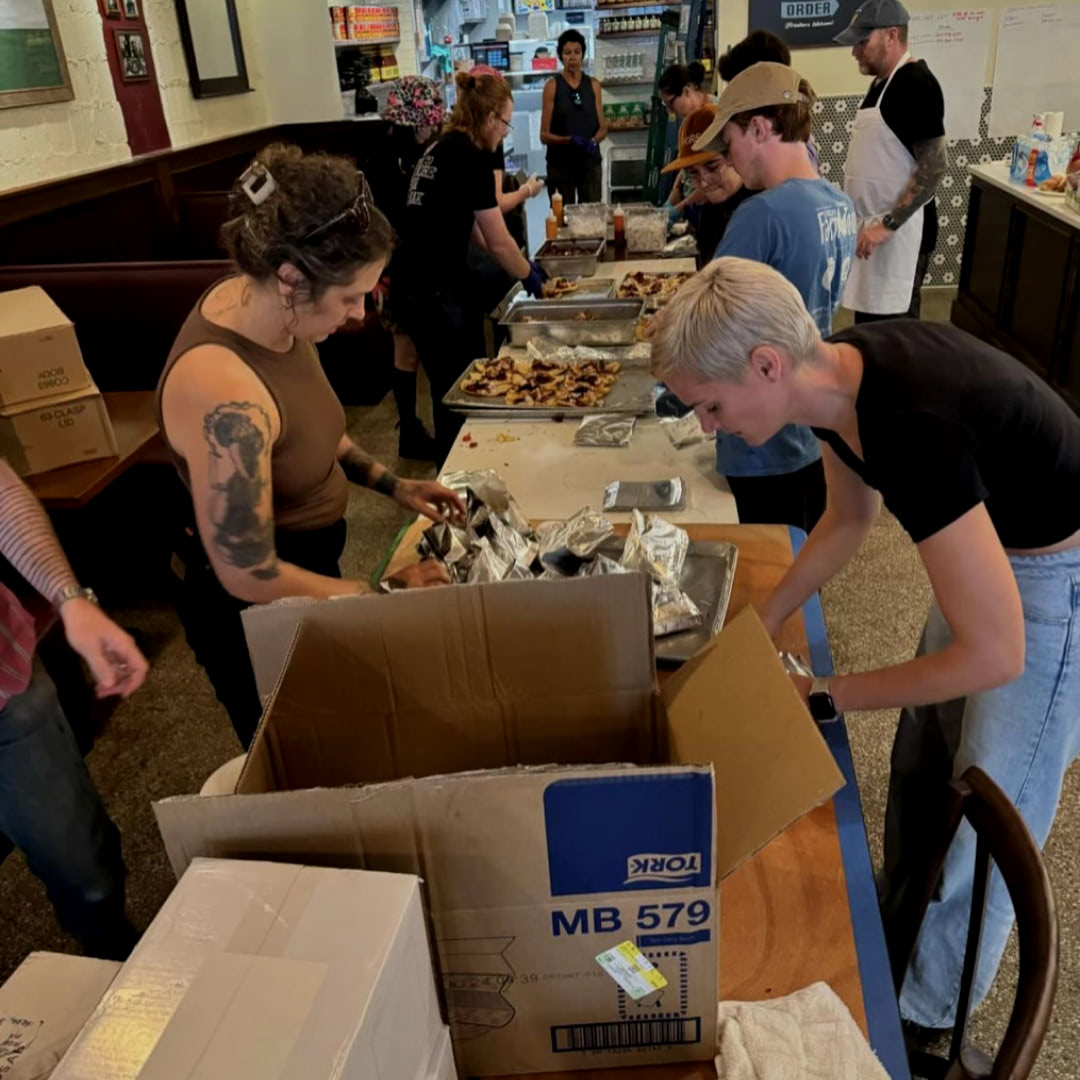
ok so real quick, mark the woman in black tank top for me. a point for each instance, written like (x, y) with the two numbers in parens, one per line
(572, 126)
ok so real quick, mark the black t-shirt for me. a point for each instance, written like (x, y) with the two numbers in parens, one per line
(947, 421)
(914, 108)
(450, 183)
(498, 158)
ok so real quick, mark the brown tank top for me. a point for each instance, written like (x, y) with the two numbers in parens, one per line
(310, 489)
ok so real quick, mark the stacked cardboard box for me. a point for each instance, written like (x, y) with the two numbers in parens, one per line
(269, 971)
(530, 873)
(51, 413)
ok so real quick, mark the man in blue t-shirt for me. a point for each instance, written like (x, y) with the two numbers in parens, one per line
(801, 226)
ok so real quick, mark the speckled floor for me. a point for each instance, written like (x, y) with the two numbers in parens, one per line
(173, 734)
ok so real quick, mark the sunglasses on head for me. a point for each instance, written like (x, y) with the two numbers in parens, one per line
(359, 213)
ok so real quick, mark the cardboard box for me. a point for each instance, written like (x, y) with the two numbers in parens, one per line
(43, 1005)
(52, 432)
(268, 971)
(441, 1064)
(530, 872)
(39, 353)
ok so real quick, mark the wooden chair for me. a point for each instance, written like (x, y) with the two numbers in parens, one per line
(1004, 839)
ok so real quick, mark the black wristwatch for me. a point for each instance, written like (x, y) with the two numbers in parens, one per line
(890, 223)
(822, 706)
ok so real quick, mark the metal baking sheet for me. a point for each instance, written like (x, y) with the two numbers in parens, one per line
(631, 395)
(610, 322)
(707, 576)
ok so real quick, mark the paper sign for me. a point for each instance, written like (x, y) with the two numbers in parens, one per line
(631, 969)
(955, 46)
(16, 1034)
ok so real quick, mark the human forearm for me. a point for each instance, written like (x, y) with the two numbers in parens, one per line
(931, 161)
(27, 539)
(955, 672)
(828, 548)
(286, 579)
(508, 255)
(362, 469)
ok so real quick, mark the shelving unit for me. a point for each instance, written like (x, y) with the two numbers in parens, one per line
(626, 82)
(366, 41)
(628, 34)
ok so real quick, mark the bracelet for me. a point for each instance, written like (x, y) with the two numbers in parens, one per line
(386, 484)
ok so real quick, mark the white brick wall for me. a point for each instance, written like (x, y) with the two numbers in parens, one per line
(41, 142)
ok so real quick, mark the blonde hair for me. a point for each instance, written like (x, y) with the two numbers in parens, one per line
(478, 97)
(721, 315)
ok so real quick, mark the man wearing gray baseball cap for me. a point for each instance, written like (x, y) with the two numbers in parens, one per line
(896, 157)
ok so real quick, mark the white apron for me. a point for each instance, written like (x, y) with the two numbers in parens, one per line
(876, 172)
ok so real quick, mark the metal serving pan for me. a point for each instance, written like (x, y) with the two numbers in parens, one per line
(563, 258)
(707, 577)
(610, 322)
(632, 395)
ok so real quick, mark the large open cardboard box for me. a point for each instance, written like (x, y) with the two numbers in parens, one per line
(530, 872)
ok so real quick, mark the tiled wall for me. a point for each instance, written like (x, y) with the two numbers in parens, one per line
(833, 121)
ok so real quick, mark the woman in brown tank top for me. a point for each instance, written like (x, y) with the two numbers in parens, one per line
(256, 431)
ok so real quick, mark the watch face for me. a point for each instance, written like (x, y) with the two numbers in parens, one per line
(822, 707)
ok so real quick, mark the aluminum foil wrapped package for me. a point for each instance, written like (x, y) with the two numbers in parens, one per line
(487, 485)
(684, 431)
(487, 566)
(646, 494)
(511, 546)
(657, 548)
(551, 575)
(610, 429)
(673, 611)
(445, 542)
(682, 245)
(517, 572)
(545, 348)
(565, 545)
(600, 565)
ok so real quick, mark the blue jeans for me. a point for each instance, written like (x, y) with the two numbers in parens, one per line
(50, 809)
(1025, 736)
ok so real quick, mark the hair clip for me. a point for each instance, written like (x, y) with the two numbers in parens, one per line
(257, 183)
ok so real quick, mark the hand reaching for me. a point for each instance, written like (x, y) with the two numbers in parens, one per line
(112, 656)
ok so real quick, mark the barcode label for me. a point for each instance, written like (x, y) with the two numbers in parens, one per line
(625, 1034)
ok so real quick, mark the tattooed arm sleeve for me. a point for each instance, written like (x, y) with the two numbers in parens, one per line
(238, 435)
(362, 469)
(931, 161)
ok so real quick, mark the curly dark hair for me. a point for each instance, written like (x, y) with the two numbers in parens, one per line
(311, 189)
(568, 37)
(676, 78)
(757, 46)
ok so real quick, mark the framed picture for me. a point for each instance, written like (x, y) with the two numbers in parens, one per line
(131, 9)
(33, 70)
(131, 51)
(210, 34)
(112, 9)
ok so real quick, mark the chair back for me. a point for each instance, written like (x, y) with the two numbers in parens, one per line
(1002, 839)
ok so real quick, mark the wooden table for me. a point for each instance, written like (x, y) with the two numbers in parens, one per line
(804, 908)
(134, 421)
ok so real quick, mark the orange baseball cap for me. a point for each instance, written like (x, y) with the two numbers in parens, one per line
(693, 127)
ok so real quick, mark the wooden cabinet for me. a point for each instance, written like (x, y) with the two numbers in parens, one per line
(1020, 278)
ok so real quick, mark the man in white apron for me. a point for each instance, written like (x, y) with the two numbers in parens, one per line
(895, 159)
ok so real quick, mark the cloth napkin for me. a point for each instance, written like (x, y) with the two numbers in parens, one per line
(808, 1035)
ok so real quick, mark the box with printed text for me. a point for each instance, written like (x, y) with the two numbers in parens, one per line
(468, 736)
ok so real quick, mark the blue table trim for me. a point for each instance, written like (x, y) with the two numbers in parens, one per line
(879, 998)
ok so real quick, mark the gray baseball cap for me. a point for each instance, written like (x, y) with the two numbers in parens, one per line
(872, 15)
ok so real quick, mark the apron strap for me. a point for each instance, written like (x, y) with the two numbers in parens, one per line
(903, 60)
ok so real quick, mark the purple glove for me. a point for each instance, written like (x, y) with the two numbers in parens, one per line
(534, 283)
(583, 144)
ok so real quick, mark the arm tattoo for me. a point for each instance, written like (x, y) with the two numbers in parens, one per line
(238, 434)
(358, 466)
(931, 161)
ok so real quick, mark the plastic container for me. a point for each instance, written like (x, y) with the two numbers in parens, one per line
(551, 226)
(646, 229)
(557, 206)
(618, 220)
(587, 220)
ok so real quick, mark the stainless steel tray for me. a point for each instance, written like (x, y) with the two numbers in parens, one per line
(612, 322)
(707, 576)
(584, 256)
(588, 288)
(631, 395)
(652, 303)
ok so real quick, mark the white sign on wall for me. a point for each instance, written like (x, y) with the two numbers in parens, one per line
(1037, 68)
(955, 46)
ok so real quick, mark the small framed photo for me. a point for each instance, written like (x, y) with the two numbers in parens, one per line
(112, 9)
(131, 9)
(131, 50)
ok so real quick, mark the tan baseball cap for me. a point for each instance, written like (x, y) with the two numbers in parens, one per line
(760, 85)
(693, 126)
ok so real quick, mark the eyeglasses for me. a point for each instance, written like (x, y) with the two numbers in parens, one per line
(359, 213)
(509, 126)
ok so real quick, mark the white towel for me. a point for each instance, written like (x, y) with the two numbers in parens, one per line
(808, 1035)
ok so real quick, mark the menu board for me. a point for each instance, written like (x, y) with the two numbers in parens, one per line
(1036, 67)
(955, 46)
(801, 23)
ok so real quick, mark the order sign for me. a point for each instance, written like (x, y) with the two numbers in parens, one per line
(802, 22)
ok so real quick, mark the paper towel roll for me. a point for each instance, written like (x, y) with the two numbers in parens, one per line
(1054, 122)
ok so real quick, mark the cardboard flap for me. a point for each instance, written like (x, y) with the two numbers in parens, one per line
(446, 680)
(733, 705)
(24, 311)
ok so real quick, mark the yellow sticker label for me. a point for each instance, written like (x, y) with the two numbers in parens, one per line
(632, 970)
